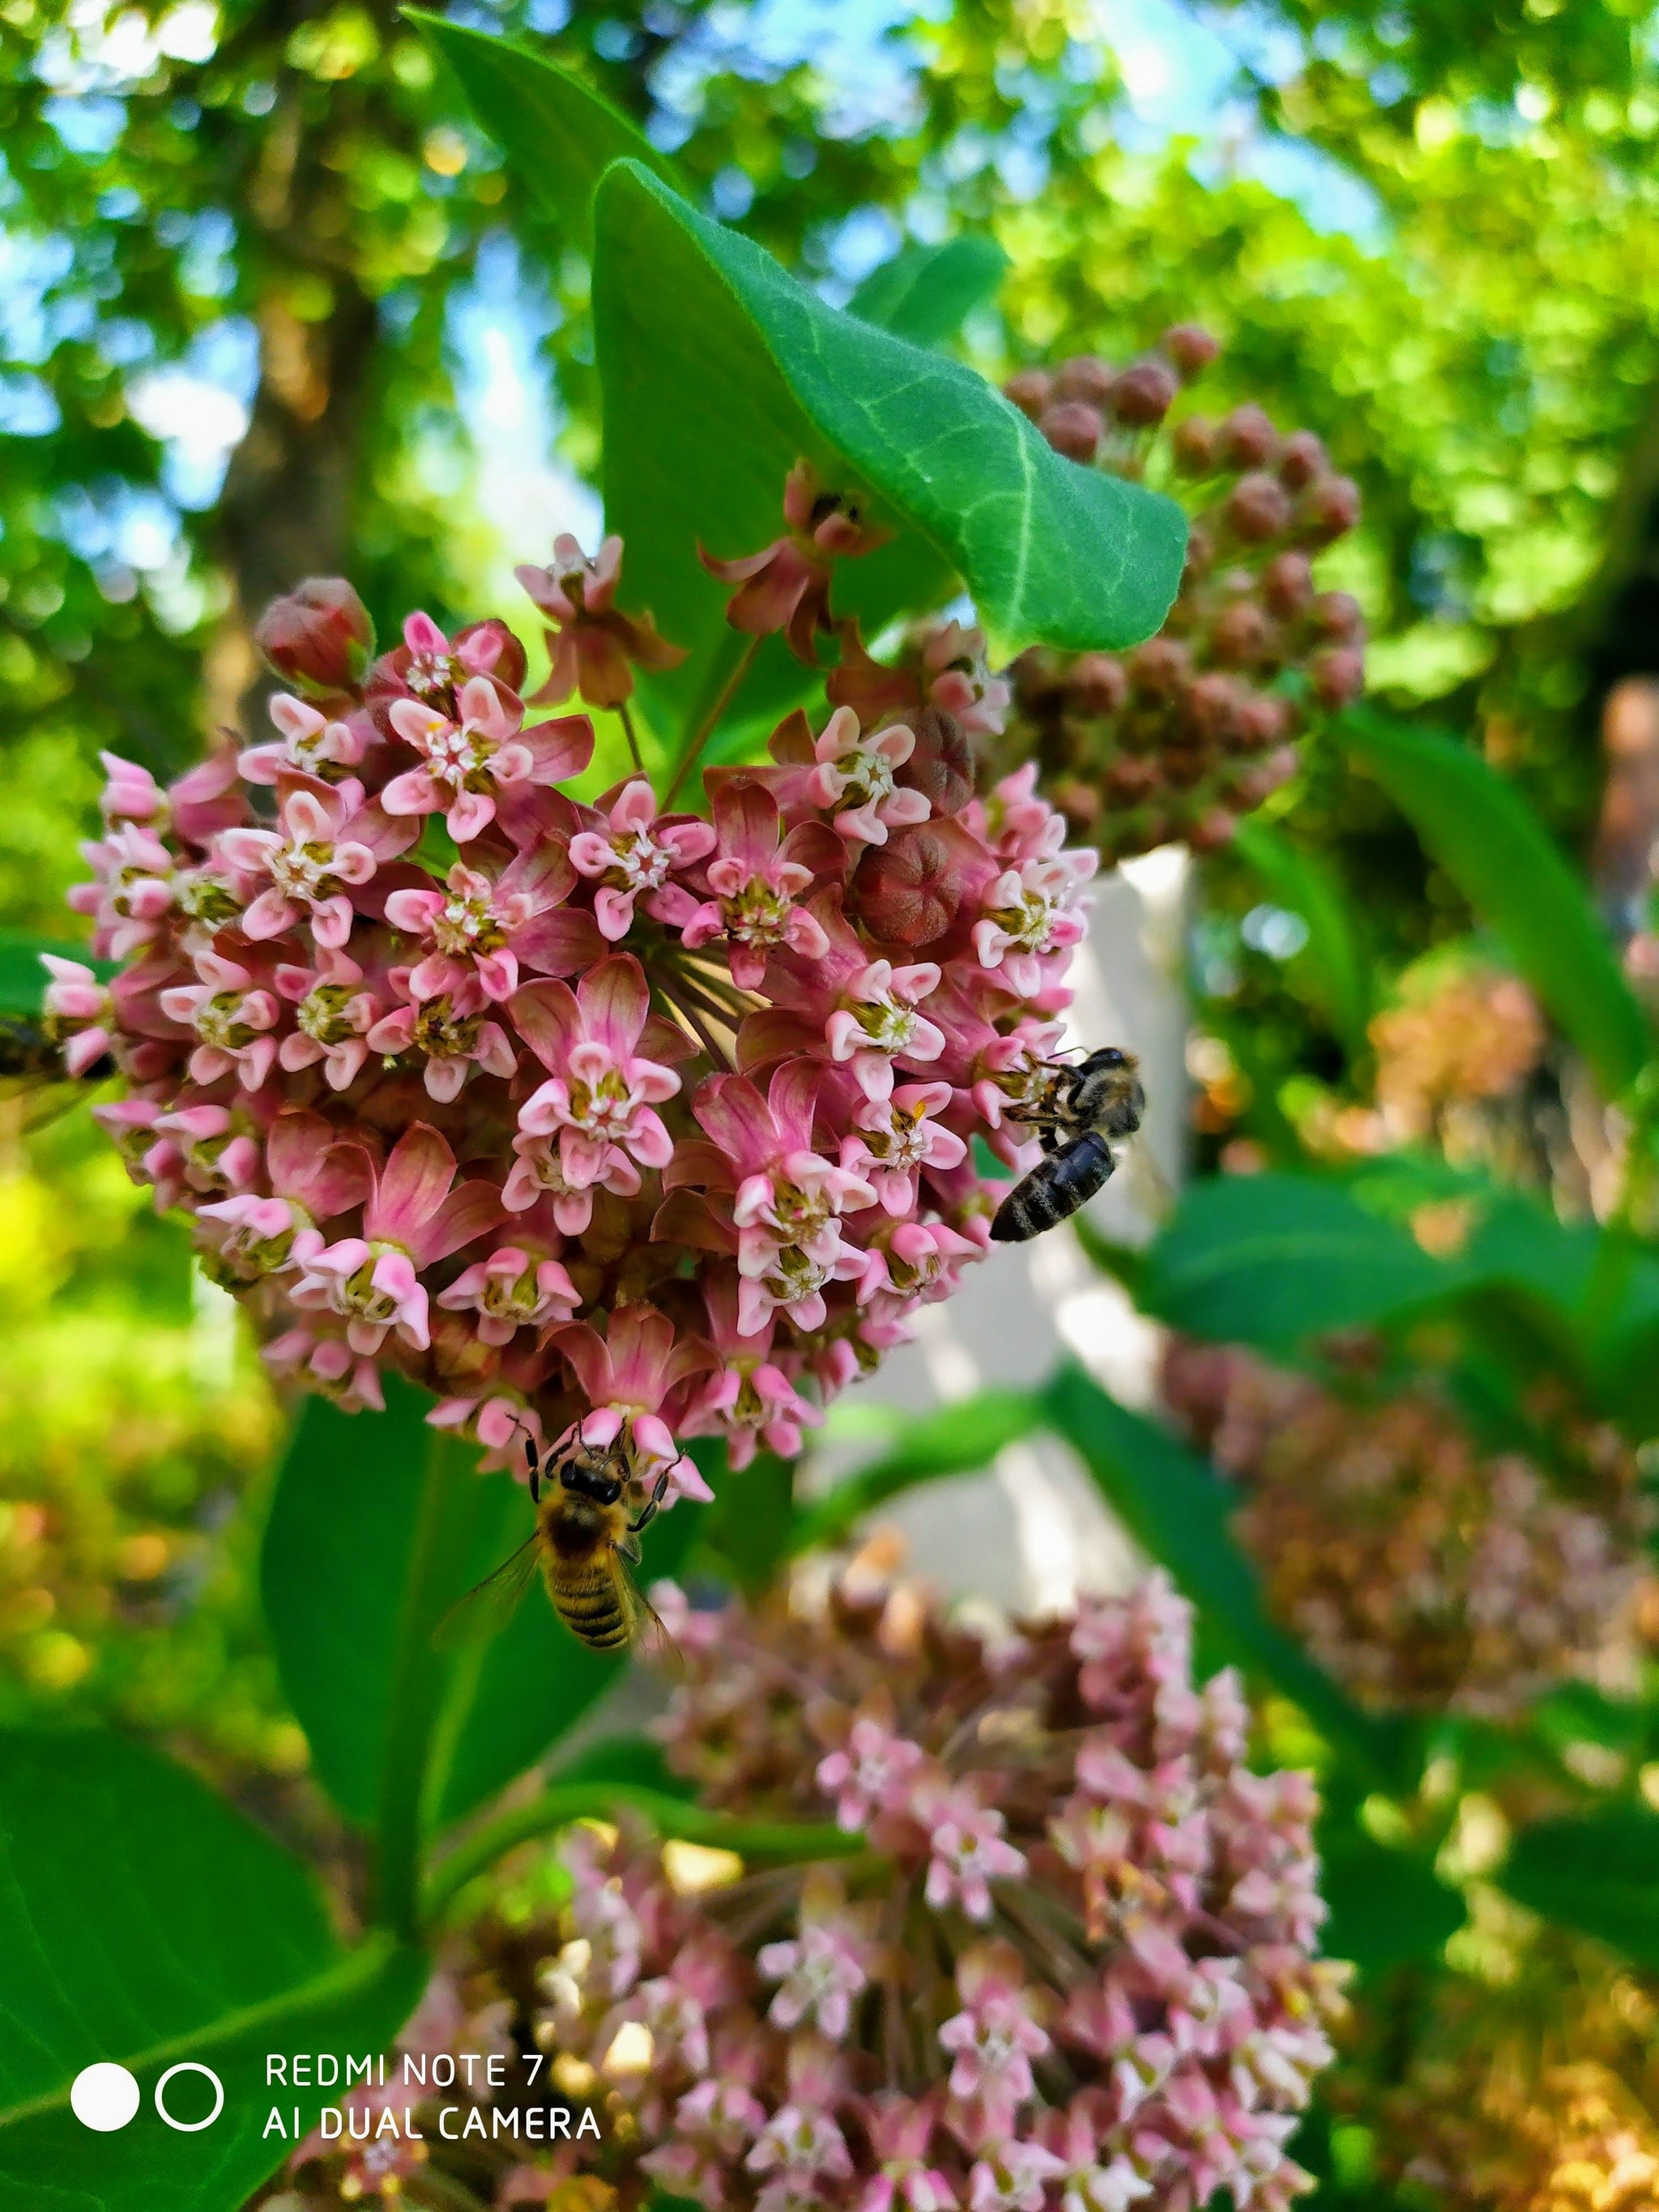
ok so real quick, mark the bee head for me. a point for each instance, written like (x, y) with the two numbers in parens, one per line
(589, 1475)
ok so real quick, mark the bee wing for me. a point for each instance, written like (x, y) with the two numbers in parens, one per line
(1148, 1186)
(650, 1636)
(489, 1605)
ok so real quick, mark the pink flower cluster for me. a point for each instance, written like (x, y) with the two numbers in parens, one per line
(655, 1123)
(1072, 1971)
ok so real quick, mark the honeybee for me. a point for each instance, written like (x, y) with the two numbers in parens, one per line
(31, 1069)
(1083, 1113)
(584, 1536)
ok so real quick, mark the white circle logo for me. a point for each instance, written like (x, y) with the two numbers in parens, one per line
(104, 2097)
(190, 2127)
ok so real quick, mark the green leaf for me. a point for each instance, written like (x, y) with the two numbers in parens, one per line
(144, 1921)
(1332, 971)
(1177, 1508)
(1482, 833)
(956, 1440)
(748, 1526)
(719, 371)
(23, 980)
(1272, 1260)
(925, 292)
(558, 135)
(1596, 1872)
(378, 1525)
(1387, 1906)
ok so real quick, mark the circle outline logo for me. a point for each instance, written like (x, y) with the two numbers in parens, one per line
(189, 2127)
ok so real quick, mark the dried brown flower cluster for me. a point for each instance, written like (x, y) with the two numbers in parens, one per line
(1461, 1034)
(1420, 1571)
(1195, 726)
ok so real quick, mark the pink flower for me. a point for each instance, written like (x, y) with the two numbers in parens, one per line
(471, 758)
(896, 1138)
(1031, 912)
(433, 668)
(854, 779)
(901, 2129)
(877, 1023)
(967, 1848)
(635, 859)
(755, 887)
(415, 1214)
(312, 1178)
(80, 1010)
(602, 1093)
(330, 844)
(1014, 2178)
(334, 1011)
(993, 2039)
(871, 1773)
(132, 890)
(822, 1970)
(479, 928)
(627, 1378)
(958, 681)
(453, 1036)
(311, 743)
(233, 1016)
(590, 645)
(748, 1398)
(510, 1290)
(787, 585)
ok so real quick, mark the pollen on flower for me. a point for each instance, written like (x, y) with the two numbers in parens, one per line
(636, 1121)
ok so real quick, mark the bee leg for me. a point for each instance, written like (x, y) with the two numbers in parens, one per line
(533, 1462)
(649, 1510)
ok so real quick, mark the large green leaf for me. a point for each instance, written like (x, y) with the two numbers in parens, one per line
(1272, 1260)
(925, 292)
(1597, 1872)
(1177, 1508)
(378, 1526)
(719, 370)
(144, 1922)
(1333, 970)
(558, 135)
(1493, 848)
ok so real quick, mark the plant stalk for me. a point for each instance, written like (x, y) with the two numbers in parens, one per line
(697, 737)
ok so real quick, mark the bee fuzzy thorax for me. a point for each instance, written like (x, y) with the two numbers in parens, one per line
(1080, 1114)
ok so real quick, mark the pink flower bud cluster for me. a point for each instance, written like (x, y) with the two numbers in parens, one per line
(1073, 1970)
(1195, 726)
(652, 1122)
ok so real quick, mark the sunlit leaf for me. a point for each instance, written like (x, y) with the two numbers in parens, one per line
(925, 292)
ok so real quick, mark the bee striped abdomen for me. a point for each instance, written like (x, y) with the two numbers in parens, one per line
(591, 1603)
(1054, 1188)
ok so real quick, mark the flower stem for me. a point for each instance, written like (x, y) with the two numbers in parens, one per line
(784, 1843)
(694, 1021)
(697, 736)
(632, 736)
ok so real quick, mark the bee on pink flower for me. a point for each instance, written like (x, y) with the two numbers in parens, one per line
(628, 1377)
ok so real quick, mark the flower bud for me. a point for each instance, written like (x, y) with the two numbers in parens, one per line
(1213, 831)
(1287, 583)
(1258, 507)
(1142, 393)
(1338, 677)
(1247, 438)
(1129, 779)
(1085, 377)
(1072, 427)
(1242, 636)
(1264, 720)
(1030, 390)
(1193, 445)
(1327, 510)
(1191, 348)
(942, 764)
(1215, 705)
(509, 668)
(1337, 615)
(1098, 685)
(317, 637)
(910, 891)
(1302, 459)
(1159, 667)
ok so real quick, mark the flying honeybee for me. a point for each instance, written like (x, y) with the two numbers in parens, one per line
(585, 1534)
(1083, 1113)
(32, 1069)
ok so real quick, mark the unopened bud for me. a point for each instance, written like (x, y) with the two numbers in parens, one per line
(1142, 393)
(1265, 720)
(1098, 685)
(1129, 778)
(1327, 510)
(1030, 390)
(1086, 377)
(1213, 832)
(1258, 507)
(1079, 801)
(1247, 438)
(1288, 584)
(317, 637)
(508, 668)
(1337, 615)
(1242, 636)
(910, 891)
(1159, 668)
(1191, 348)
(1193, 442)
(1302, 459)
(1338, 677)
(1072, 427)
(1215, 706)
(942, 763)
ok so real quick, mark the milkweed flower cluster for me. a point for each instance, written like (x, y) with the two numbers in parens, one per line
(1420, 1571)
(649, 1122)
(1072, 1970)
(1195, 726)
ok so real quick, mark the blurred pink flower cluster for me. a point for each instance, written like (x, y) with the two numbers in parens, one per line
(651, 1122)
(1073, 1971)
